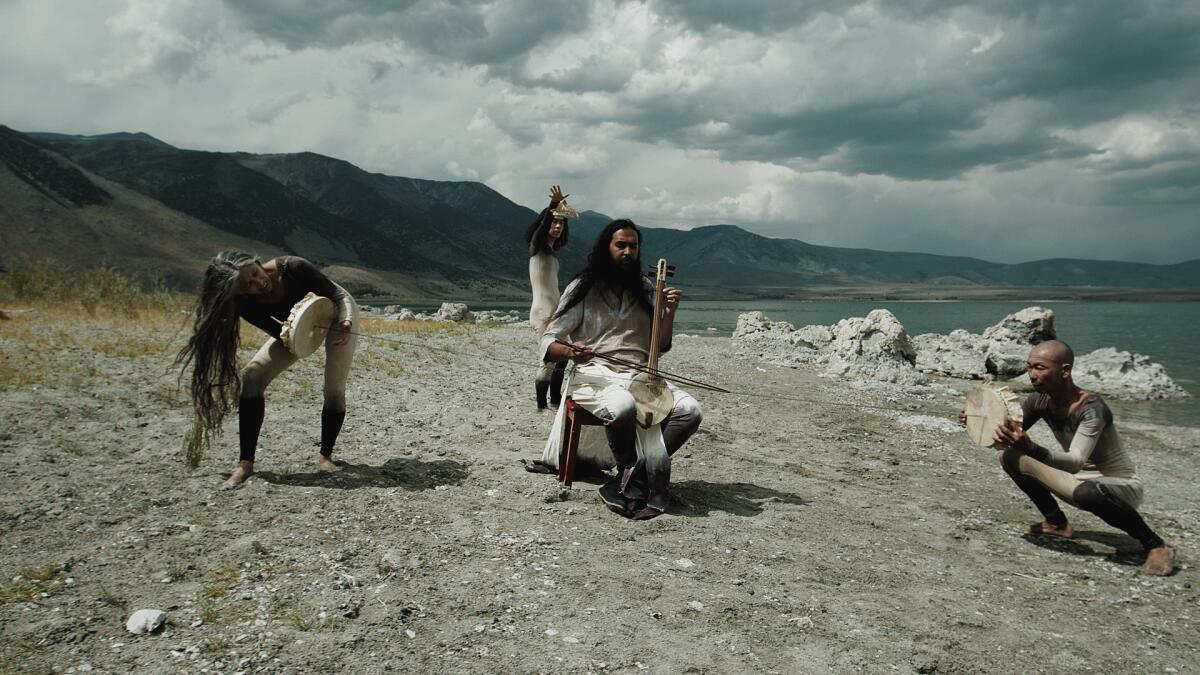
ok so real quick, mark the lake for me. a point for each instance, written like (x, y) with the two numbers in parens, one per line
(1164, 331)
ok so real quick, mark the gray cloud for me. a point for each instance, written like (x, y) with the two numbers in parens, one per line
(948, 126)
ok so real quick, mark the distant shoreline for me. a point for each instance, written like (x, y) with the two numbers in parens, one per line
(892, 293)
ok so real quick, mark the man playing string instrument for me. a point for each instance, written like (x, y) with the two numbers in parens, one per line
(1090, 470)
(606, 309)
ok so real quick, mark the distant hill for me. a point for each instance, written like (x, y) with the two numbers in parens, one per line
(415, 237)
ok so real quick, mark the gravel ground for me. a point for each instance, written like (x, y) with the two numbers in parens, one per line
(807, 534)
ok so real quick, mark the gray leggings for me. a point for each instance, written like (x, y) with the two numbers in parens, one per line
(273, 358)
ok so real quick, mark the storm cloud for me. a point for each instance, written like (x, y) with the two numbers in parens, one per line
(1004, 130)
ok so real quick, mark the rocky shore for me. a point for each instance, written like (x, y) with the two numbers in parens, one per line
(829, 516)
(877, 348)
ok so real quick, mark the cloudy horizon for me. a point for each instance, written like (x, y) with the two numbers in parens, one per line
(1005, 131)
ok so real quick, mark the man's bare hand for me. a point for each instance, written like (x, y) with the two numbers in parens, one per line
(671, 298)
(962, 418)
(1011, 435)
(556, 195)
(580, 353)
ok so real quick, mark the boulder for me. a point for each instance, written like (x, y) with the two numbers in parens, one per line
(393, 309)
(454, 311)
(757, 323)
(1125, 375)
(404, 314)
(145, 621)
(1028, 326)
(497, 316)
(874, 347)
(959, 354)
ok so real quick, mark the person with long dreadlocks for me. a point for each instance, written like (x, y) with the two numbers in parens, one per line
(544, 237)
(607, 309)
(239, 286)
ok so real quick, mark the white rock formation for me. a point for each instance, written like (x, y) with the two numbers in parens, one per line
(874, 347)
(145, 621)
(454, 311)
(1001, 350)
(1124, 375)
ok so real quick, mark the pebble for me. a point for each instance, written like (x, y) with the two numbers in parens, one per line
(145, 621)
(684, 563)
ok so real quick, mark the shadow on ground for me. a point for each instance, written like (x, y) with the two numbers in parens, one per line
(1114, 546)
(699, 498)
(407, 473)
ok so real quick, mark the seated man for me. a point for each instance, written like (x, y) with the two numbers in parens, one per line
(1091, 470)
(607, 309)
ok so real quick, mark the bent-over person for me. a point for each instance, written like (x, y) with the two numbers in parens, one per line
(238, 286)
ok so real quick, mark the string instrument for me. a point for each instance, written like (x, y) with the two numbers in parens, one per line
(654, 399)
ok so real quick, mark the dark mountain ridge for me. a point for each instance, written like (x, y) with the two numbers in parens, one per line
(464, 235)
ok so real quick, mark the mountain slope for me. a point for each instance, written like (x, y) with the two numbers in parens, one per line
(450, 238)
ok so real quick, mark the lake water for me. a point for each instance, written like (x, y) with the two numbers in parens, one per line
(1164, 331)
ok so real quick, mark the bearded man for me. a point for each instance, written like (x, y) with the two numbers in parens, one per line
(607, 309)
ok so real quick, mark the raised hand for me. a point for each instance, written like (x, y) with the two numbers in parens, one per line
(1010, 434)
(556, 195)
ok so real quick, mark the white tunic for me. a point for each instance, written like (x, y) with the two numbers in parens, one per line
(543, 278)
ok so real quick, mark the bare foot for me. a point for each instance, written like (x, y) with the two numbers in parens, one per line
(1048, 528)
(546, 412)
(244, 470)
(325, 464)
(1160, 562)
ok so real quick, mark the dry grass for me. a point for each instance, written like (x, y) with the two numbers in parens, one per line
(99, 292)
(31, 583)
(374, 326)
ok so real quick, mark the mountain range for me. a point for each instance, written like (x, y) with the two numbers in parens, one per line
(137, 203)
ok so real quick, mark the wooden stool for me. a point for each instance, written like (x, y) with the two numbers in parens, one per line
(576, 419)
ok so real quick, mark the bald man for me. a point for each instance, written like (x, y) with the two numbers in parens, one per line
(1091, 471)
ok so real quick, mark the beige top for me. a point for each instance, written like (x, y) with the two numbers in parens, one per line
(543, 278)
(1090, 444)
(616, 326)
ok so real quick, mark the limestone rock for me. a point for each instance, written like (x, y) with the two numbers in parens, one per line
(1028, 326)
(454, 311)
(1121, 374)
(145, 621)
(959, 354)
(497, 316)
(753, 323)
(875, 347)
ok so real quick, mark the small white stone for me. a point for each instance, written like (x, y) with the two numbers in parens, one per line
(551, 632)
(695, 605)
(410, 634)
(684, 563)
(145, 621)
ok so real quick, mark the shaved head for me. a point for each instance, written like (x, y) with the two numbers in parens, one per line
(1054, 350)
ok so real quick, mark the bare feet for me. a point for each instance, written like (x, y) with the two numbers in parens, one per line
(1160, 562)
(244, 470)
(546, 412)
(326, 464)
(1048, 528)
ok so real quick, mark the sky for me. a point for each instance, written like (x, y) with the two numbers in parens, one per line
(1003, 130)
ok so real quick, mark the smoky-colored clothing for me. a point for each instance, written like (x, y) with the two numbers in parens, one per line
(299, 278)
(1090, 446)
(616, 325)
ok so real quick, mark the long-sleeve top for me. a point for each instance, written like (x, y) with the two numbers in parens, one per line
(1088, 437)
(605, 323)
(543, 279)
(299, 278)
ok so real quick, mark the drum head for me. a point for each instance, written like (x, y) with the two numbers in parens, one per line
(309, 321)
(987, 408)
(654, 399)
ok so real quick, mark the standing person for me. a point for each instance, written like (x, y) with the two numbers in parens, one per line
(544, 237)
(1090, 470)
(607, 309)
(238, 286)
